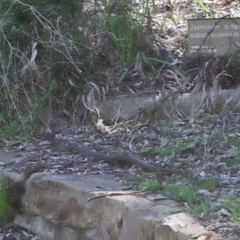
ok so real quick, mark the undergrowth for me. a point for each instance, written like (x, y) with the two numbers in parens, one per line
(4, 202)
(196, 193)
(48, 57)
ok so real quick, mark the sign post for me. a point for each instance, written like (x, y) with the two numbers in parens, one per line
(216, 37)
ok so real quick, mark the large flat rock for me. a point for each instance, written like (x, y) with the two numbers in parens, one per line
(65, 207)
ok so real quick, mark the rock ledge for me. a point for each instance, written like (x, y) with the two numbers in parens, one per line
(57, 207)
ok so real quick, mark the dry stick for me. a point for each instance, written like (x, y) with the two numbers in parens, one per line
(179, 111)
(115, 194)
(223, 130)
(138, 194)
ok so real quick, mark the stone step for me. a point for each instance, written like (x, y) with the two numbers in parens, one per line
(64, 207)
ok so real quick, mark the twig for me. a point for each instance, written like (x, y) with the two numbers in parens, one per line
(135, 193)
(114, 194)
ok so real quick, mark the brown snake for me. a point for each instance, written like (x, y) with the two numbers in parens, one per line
(57, 144)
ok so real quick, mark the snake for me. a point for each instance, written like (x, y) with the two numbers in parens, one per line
(84, 151)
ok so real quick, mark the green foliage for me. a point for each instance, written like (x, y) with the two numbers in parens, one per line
(14, 126)
(151, 185)
(206, 183)
(163, 150)
(218, 135)
(181, 188)
(4, 202)
(122, 29)
(63, 50)
(168, 129)
(22, 97)
(147, 184)
(9, 130)
(143, 177)
(200, 207)
(235, 159)
(202, 5)
(187, 189)
(232, 203)
(185, 143)
(39, 101)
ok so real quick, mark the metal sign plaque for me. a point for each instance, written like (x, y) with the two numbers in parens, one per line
(216, 37)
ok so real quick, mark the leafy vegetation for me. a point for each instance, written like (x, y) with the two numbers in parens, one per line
(231, 204)
(163, 150)
(42, 56)
(151, 185)
(197, 193)
(48, 57)
(4, 202)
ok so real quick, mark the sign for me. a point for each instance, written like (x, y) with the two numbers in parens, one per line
(216, 37)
